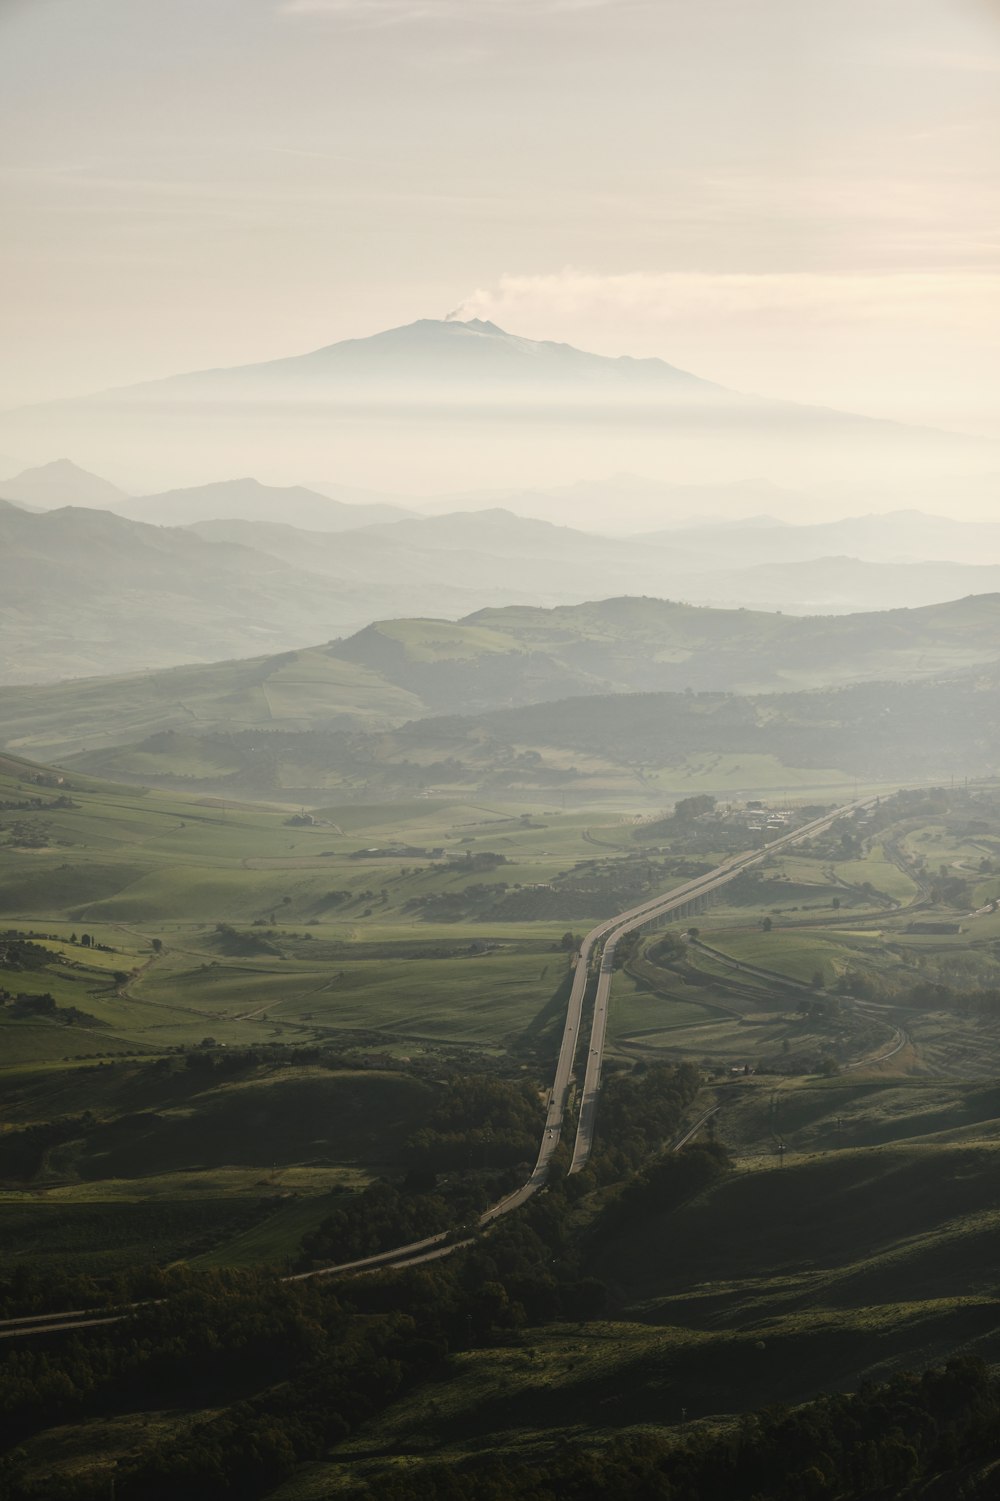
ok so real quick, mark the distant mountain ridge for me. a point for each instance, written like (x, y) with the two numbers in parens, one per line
(86, 592)
(903, 536)
(62, 483)
(90, 592)
(249, 500)
(81, 589)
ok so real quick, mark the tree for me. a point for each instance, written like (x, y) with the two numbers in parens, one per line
(766, 924)
(690, 808)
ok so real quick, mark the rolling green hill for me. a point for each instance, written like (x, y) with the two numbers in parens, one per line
(502, 660)
(640, 747)
(295, 690)
(519, 655)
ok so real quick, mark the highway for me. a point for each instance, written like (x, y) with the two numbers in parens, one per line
(642, 916)
(601, 941)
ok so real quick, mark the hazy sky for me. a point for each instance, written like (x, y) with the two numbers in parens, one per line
(796, 197)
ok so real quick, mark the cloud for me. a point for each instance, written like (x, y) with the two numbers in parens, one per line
(683, 297)
(909, 345)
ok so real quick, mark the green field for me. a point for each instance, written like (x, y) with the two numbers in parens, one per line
(293, 691)
(251, 1021)
(386, 945)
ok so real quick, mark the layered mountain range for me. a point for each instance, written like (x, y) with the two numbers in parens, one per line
(209, 573)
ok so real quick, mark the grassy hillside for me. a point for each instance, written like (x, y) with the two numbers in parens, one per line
(296, 690)
(397, 670)
(636, 748)
(624, 644)
(230, 1162)
(658, 643)
(770, 1286)
(894, 1237)
(249, 924)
